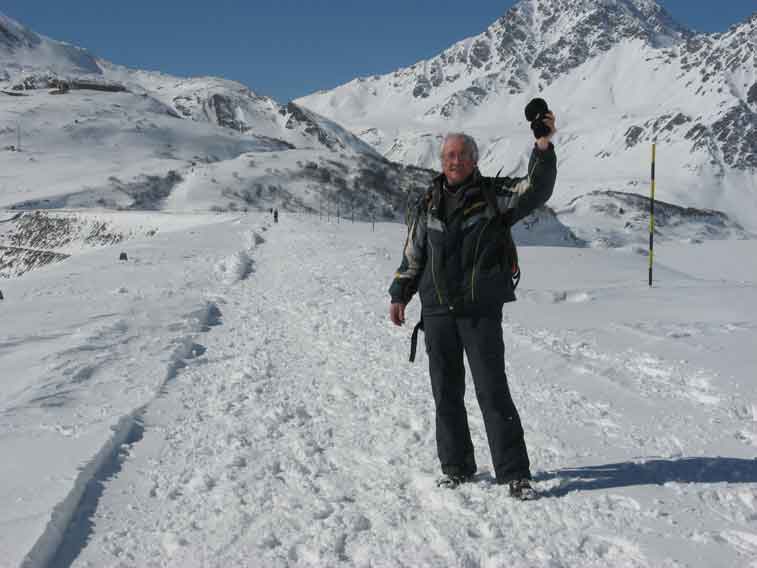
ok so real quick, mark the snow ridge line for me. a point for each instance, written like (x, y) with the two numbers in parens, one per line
(72, 517)
(69, 525)
(239, 265)
(46, 549)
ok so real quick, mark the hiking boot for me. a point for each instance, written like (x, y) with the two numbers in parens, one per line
(448, 481)
(521, 489)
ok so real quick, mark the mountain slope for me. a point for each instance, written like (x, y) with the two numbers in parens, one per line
(618, 74)
(96, 134)
(130, 139)
(22, 49)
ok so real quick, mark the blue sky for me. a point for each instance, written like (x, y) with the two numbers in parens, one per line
(289, 48)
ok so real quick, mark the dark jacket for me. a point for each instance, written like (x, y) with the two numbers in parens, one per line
(458, 261)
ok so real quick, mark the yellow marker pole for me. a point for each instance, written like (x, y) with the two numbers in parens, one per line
(651, 218)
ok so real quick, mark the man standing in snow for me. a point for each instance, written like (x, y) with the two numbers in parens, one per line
(459, 256)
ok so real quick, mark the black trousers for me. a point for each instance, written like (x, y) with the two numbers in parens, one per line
(481, 339)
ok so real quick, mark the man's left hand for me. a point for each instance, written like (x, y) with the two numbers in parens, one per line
(550, 121)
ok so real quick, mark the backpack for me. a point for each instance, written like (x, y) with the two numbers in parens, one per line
(510, 252)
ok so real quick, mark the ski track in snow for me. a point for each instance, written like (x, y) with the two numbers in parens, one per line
(290, 431)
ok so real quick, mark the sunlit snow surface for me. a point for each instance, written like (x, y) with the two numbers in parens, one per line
(616, 84)
(269, 416)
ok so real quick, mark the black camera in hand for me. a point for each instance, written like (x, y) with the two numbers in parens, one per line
(536, 110)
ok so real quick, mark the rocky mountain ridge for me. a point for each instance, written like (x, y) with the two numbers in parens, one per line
(620, 74)
(122, 139)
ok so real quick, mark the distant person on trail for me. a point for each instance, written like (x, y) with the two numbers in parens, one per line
(459, 256)
(275, 215)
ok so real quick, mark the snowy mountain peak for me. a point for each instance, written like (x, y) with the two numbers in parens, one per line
(555, 36)
(742, 36)
(534, 43)
(607, 19)
(14, 36)
(23, 51)
(620, 74)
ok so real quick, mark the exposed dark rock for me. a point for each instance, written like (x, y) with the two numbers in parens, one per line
(224, 109)
(310, 124)
(677, 120)
(42, 230)
(34, 239)
(422, 87)
(15, 261)
(96, 86)
(63, 85)
(14, 37)
(436, 75)
(479, 53)
(470, 96)
(182, 104)
(148, 192)
(736, 133)
(751, 96)
(696, 132)
(33, 82)
(633, 136)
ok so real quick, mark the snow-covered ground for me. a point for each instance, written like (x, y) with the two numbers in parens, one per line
(234, 395)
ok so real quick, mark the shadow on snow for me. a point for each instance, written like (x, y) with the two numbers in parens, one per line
(651, 472)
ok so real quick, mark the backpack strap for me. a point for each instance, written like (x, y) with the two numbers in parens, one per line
(425, 203)
(414, 339)
(489, 190)
(515, 266)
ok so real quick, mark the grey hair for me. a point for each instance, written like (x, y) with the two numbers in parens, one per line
(470, 144)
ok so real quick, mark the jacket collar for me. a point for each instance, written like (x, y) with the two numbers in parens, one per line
(440, 181)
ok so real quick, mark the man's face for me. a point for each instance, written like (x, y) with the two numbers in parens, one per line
(457, 163)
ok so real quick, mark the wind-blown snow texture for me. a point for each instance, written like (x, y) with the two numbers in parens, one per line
(619, 74)
(270, 418)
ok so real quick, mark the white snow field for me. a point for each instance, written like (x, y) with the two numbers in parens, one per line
(235, 395)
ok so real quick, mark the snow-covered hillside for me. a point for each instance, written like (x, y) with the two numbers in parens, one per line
(22, 49)
(618, 74)
(31, 62)
(614, 219)
(101, 135)
(234, 395)
(87, 148)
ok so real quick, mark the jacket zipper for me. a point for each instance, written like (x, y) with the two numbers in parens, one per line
(433, 273)
(475, 261)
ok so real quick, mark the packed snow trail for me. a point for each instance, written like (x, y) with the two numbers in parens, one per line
(84, 345)
(299, 435)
